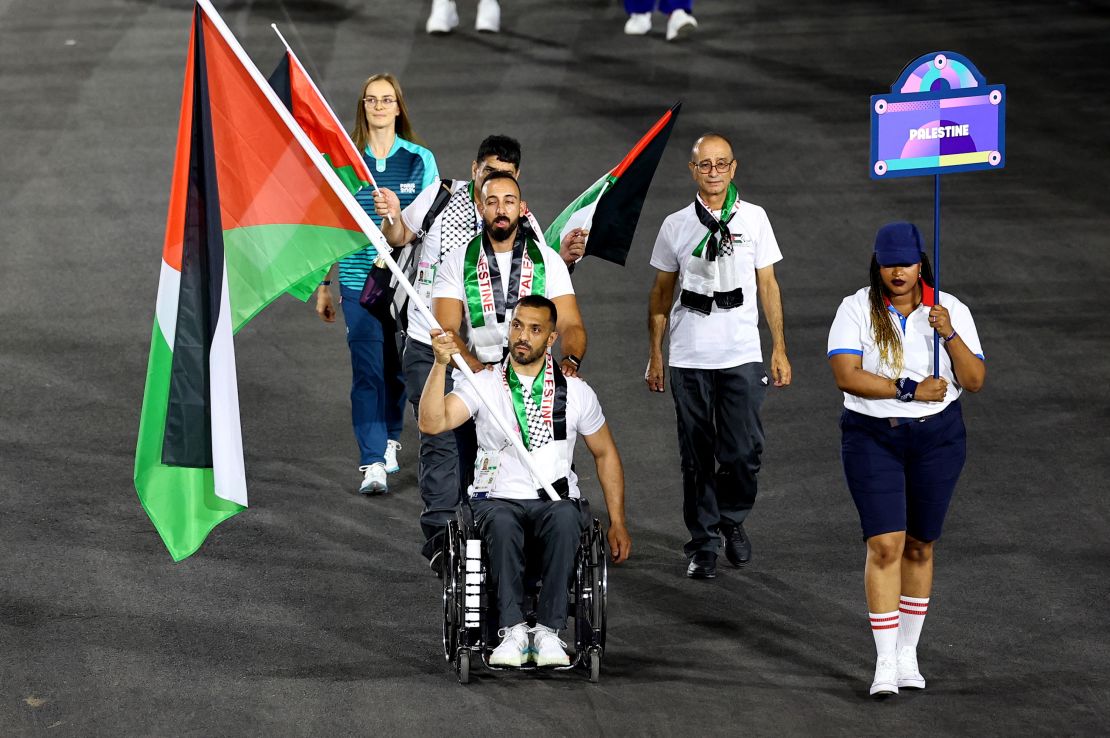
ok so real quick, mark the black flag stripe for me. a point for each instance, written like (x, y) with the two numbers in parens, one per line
(188, 436)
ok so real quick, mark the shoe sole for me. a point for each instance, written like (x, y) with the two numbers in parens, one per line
(553, 663)
(683, 32)
(701, 576)
(393, 469)
(883, 690)
(373, 491)
(911, 684)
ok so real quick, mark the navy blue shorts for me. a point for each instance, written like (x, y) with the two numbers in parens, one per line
(902, 477)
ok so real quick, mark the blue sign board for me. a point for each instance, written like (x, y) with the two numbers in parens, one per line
(939, 117)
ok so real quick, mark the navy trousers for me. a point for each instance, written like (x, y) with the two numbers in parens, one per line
(720, 440)
(665, 6)
(505, 526)
(377, 388)
(438, 474)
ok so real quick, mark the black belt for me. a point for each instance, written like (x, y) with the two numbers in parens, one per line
(895, 422)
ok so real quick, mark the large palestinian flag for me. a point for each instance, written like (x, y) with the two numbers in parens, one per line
(316, 118)
(253, 210)
(610, 208)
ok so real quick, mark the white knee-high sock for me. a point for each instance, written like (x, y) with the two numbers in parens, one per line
(884, 628)
(912, 616)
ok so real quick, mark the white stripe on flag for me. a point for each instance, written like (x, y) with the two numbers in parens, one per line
(227, 435)
(165, 310)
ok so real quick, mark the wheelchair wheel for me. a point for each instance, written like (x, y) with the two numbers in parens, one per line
(462, 666)
(452, 583)
(593, 662)
(599, 569)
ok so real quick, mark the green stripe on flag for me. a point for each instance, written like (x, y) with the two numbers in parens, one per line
(306, 288)
(554, 233)
(264, 261)
(181, 502)
(347, 175)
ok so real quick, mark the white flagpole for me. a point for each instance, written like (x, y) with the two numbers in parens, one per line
(365, 223)
(334, 117)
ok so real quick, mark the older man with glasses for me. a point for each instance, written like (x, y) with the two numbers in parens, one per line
(720, 252)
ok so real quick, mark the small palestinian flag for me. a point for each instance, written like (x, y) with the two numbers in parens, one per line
(252, 211)
(610, 208)
(311, 110)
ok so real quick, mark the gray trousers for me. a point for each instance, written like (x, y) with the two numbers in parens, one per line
(554, 528)
(720, 440)
(437, 474)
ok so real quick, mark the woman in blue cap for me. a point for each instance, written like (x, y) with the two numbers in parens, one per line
(903, 440)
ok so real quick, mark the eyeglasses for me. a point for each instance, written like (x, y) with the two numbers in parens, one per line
(705, 167)
(385, 101)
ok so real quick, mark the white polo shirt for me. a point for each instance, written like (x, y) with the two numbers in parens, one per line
(851, 333)
(514, 481)
(724, 338)
(449, 280)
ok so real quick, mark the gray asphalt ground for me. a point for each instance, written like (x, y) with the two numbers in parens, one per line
(312, 614)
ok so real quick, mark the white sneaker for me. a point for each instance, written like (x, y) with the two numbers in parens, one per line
(547, 649)
(638, 24)
(886, 677)
(488, 19)
(909, 676)
(680, 25)
(443, 18)
(513, 650)
(391, 449)
(373, 479)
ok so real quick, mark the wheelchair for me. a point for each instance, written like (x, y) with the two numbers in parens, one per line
(470, 602)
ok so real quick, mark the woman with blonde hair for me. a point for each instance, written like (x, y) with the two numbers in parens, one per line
(384, 134)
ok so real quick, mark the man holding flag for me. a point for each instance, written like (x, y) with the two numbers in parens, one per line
(720, 251)
(549, 411)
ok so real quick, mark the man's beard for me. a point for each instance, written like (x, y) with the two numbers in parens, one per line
(498, 233)
(529, 356)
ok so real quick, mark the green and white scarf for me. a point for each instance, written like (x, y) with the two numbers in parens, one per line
(712, 273)
(488, 309)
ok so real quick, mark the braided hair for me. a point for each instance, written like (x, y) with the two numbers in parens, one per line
(883, 324)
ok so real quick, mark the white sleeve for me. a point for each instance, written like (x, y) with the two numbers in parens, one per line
(766, 245)
(464, 390)
(556, 275)
(663, 256)
(847, 327)
(449, 277)
(590, 417)
(413, 215)
(964, 324)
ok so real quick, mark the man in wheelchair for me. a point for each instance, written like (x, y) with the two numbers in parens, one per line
(549, 410)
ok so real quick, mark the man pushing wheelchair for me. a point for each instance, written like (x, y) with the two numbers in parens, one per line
(512, 512)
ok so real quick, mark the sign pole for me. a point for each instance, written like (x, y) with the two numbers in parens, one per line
(936, 269)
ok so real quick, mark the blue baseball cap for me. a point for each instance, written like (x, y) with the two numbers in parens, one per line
(898, 243)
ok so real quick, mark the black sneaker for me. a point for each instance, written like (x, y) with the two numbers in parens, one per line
(703, 565)
(738, 547)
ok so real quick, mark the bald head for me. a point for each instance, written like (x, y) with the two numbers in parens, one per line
(706, 139)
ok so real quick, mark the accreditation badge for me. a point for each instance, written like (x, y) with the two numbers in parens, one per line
(425, 277)
(485, 472)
